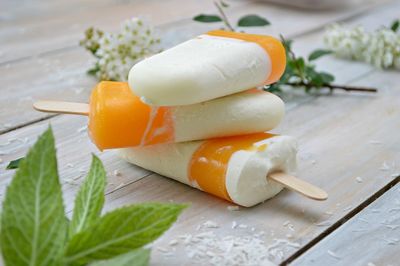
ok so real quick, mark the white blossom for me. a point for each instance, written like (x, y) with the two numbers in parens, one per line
(380, 48)
(116, 53)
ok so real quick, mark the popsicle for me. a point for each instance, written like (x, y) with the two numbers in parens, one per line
(209, 66)
(117, 117)
(246, 169)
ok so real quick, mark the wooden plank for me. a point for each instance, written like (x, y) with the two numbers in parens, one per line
(61, 76)
(44, 34)
(371, 237)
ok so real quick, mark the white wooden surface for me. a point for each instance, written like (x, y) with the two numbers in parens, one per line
(370, 237)
(342, 136)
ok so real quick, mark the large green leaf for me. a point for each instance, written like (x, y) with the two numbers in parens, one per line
(34, 226)
(90, 198)
(120, 231)
(138, 257)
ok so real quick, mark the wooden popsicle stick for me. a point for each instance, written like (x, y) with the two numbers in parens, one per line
(62, 107)
(299, 186)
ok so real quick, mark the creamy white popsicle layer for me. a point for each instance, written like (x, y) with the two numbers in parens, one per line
(232, 168)
(212, 65)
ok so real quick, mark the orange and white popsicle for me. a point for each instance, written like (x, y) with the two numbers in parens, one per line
(117, 117)
(212, 65)
(232, 168)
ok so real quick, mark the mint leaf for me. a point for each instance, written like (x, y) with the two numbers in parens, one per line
(318, 53)
(90, 198)
(14, 164)
(252, 21)
(120, 231)
(207, 18)
(33, 223)
(395, 25)
(138, 257)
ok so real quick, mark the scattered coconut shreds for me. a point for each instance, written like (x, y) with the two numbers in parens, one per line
(173, 242)
(333, 255)
(82, 129)
(242, 226)
(210, 224)
(371, 264)
(70, 165)
(359, 179)
(329, 213)
(208, 248)
(234, 224)
(233, 208)
(323, 223)
(395, 175)
(384, 167)
(1, 160)
(391, 241)
(313, 162)
(117, 173)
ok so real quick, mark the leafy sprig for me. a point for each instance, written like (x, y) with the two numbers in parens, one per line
(300, 72)
(35, 231)
(245, 21)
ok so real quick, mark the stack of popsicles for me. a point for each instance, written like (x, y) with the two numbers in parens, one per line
(193, 113)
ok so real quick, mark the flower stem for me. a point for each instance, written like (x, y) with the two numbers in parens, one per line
(333, 87)
(223, 16)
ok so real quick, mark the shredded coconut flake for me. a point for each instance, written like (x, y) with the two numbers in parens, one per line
(233, 208)
(334, 255)
(384, 167)
(359, 179)
(210, 224)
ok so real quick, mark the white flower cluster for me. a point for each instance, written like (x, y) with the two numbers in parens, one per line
(117, 53)
(380, 48)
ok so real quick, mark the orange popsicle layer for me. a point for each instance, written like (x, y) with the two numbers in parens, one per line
(272, 46)
(209, 162)
(116, 111)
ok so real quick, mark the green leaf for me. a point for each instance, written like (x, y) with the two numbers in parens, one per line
(252, 21)
(14, 164)
(326, 77)
(395, 25)
(138, 257)
(273, 88)
(207, 18)
(93, 71)
(33, 223)
(224, 4)
(120, 231)
(90, 198)
(318, 53)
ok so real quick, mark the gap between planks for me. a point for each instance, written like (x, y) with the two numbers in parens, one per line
(341, 221)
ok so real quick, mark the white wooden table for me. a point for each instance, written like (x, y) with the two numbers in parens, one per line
(342, 136)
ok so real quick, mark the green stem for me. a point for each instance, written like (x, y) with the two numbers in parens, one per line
(224, 17)
(333, 87)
